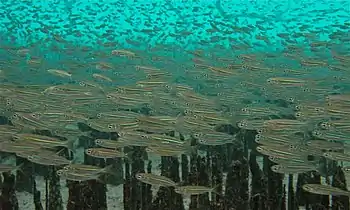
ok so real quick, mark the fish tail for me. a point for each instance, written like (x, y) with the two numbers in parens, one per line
(71, 146)
(110, 170)
(19, 168)
(190, 149)
(99, 180)
(216, 190)
(179, 124)
(128, 157)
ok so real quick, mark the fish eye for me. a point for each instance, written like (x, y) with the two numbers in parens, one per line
(316, 133)
(59, 173)
(275, 168)
(89, 151)
(8, 102)
(217, 85)
(109, 96)
(167, 87)
(298, 114)
(110, 126)
(346, 169)
(293, 147)
(324, 125)
(326, 154)
(258, 137)
(196, 135)
(260, 131)
(138, 176)
(99, 115)
(272, 158)
(196, 116)
(202, 141)
(98, 141)
(291, 99)
(242, 124)
(178, 190)
(305, 187)
(318, 109)
(245, 109)
(82, 84)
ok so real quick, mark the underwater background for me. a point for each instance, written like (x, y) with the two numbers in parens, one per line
(173, 105)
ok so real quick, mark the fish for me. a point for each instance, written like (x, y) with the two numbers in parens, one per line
(101, 77)
(194, 190)
(44, 141)
(89, 170)
(52, 160)
(105, 153)
(60, 73)
(324, 190)
(4, 168)
(286, 81)
(66, 174)
(110, 144)
(156, 180)
(337, 156)
(214, 138)
(294, 168)
(17, 147)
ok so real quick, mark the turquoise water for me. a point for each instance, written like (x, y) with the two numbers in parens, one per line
(227, 49)
(73, 31)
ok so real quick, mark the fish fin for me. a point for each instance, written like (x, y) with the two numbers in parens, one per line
(190, 150)
(128, 157)
(155, 188)
(110, 170)
(179, 122)
(215, 190)
(322, 169)
(99, 180)
(71, 146)
(19, 168)
(59, 151)
(74, 160)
